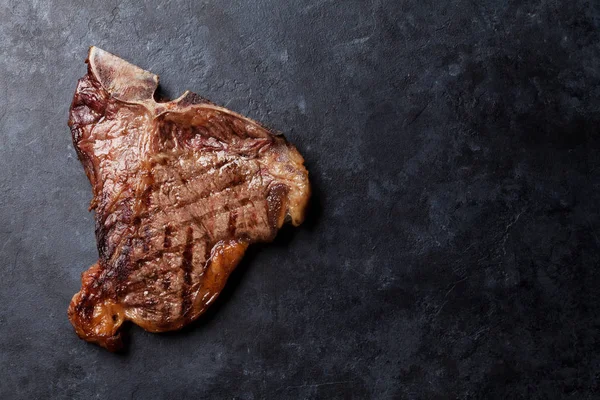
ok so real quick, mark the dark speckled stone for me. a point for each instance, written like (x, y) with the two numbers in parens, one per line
(452, 250)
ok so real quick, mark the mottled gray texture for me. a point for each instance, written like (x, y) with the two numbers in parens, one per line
(452, 249)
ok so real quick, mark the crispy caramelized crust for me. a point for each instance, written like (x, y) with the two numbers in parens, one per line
(180, 189)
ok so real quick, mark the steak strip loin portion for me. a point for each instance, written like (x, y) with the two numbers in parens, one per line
(180, 189)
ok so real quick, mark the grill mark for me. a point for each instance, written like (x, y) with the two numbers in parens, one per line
(218, 212)
(188, 255)
(108, 250)
(120, 254)
(101, 239)
(130, 216)
(186, 266)
(147, 238)
(171, 250)
(198, 220)
(151, 213)
(121, 266)
(208, 192)
(121, 199)
(148, 195)
(210, 214)
(167, 239)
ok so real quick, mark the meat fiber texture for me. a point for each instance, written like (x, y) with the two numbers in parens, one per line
(180, 190)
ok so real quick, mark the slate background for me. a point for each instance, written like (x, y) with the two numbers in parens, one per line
(452, 248)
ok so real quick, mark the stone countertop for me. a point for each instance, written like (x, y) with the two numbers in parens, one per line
(452, 248)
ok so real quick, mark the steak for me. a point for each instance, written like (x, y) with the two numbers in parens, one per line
(180, 190)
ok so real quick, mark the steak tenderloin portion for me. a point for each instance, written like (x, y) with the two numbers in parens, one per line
(180, 189)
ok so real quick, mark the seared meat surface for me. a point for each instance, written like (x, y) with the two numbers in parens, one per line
(180, 189)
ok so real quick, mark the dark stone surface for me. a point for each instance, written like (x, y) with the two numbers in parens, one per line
(453, 246)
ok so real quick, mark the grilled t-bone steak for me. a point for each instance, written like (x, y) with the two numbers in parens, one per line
(180, 189)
